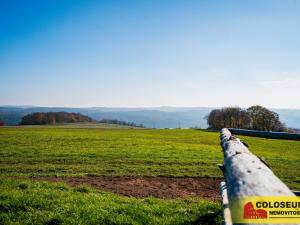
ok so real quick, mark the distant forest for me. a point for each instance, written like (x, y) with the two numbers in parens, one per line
(131, 124)
(40, 118)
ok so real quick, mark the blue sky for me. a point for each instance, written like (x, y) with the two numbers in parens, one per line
(131, 53)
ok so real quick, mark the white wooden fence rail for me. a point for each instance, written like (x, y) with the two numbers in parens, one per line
(246, 174)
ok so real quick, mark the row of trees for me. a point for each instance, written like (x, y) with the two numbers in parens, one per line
(256, 118)
(40, 118)
(119, 122)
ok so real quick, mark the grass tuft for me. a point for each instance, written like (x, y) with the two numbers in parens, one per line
(23, 186)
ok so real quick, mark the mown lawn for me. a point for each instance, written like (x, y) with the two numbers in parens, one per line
(71, 151)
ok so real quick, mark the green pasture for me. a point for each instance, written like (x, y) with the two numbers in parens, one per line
(87, 151)
(24, 202)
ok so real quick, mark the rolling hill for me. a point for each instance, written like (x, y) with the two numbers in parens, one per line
(157, 117)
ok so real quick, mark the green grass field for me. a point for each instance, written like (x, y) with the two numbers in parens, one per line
(86, 151)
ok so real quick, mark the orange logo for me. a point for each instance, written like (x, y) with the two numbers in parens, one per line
(251, 213)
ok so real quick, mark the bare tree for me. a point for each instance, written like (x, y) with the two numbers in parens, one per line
(256, 117)
(228, 117)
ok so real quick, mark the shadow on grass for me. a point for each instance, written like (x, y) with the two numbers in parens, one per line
(210, 218)
(213, 130)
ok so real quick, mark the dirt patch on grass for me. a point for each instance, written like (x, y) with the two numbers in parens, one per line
(141, 187)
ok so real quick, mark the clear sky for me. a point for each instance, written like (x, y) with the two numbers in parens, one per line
(132, 53)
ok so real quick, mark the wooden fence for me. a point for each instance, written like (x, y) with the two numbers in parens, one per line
(245, 174)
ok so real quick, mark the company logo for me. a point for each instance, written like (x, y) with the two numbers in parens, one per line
(251, 213)
(265, 209)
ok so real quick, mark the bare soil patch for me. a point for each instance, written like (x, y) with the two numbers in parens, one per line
(141, 187)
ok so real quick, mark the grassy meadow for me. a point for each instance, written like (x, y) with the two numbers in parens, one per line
(90, 151)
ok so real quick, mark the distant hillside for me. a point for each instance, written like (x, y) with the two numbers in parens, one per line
(40, 118)
(159, 117)
(150, 117)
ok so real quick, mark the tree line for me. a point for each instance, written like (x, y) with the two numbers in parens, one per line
(255, 117)
(40, 118)
(119, 122)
